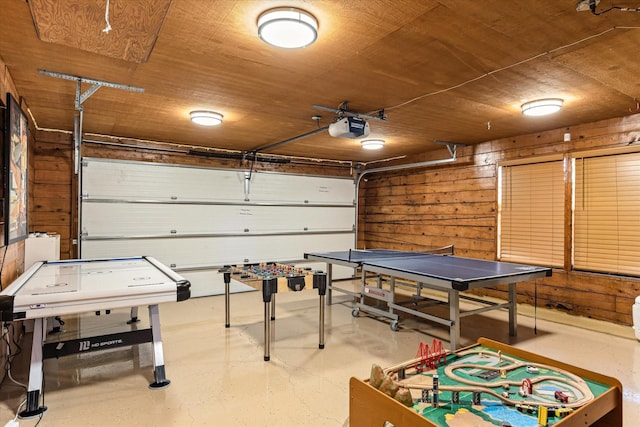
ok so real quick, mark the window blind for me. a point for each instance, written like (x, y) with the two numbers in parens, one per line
(607, 214)
(531, 214)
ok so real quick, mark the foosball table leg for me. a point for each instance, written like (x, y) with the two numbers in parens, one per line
(227, 292)
(320, 282)
(269, 289)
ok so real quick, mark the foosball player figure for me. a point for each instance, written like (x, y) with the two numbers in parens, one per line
(426, 396)
(455, 397)
(435, 390)
(503, 373)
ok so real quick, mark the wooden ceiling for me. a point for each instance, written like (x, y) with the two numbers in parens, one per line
(446, 70)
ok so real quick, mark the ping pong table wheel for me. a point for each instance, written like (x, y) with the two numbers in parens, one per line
(355, 312)
(394, 326)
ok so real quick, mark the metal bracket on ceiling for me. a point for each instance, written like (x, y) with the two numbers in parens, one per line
(451, 146)
(80, 98)
(344, 111)
(95, 85)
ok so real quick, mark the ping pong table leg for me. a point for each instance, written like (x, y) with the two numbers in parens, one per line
(513, 310)
(454, 316)
(392, 293)
(363, 281)
(35, 371)
(158, 353)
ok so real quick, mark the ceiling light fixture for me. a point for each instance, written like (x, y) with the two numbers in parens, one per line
(372, 144)
(287, 27)
(542, 107)
(206, 118)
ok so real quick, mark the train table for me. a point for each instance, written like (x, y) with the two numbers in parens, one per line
(450, 274)
(271, 278)
(58, 288)
(486, 384)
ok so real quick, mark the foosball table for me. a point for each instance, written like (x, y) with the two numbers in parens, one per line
(271, 278)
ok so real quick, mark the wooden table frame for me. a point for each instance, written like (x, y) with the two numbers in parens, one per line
(370, 407)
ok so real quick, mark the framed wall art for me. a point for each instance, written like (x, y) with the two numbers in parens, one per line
(3, 132)
(16, 169)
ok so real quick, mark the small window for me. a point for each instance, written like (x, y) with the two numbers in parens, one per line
(531, 213)
(607, 214)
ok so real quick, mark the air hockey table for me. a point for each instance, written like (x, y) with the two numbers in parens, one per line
(451, 274)
(57, 288)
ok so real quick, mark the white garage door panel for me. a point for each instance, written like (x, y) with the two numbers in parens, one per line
(153, 219)
(104, 179)
(217, 251)
(272, 187)
(153, 181)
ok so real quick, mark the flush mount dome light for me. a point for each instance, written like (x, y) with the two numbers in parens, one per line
(287, 27)
(206, 118)
(372, 144)
(542, 107)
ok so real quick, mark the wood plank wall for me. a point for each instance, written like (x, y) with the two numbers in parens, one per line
(54, 184)
(415, 209)
(12, 261)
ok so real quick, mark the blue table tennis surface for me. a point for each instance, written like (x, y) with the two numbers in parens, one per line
(445, 267)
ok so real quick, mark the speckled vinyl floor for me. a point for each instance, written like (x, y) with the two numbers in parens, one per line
(219, 378)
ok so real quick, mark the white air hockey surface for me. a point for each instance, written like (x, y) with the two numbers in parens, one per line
(56, 288)
(74, 286)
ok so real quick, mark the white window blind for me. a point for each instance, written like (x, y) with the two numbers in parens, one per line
(532, 214)
(607, 214)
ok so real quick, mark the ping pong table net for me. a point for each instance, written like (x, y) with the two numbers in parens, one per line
(444, 250)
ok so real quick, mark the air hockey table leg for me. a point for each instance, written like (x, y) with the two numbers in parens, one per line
(56, 323)
(134, 316)
(35, 372)
(158, 354)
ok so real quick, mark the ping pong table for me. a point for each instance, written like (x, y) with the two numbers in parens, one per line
(57, 288)
(451, 274)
